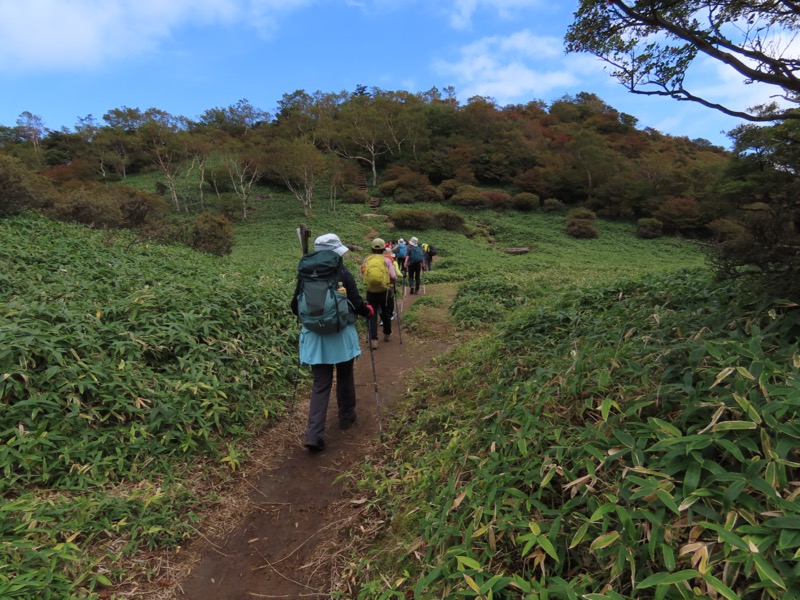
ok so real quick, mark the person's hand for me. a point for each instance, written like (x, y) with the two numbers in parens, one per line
(370, 311)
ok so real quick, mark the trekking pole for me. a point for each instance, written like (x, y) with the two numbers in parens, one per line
(397, 310)
(294, 392)
(375, 382)
(422, 276)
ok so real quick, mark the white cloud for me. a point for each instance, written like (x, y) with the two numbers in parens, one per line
(462, 11)
(81, 34)
(517, 67)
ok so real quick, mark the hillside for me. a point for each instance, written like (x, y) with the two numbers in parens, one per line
(170, 371)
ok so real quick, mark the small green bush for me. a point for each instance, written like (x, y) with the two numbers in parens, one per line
(525, 201)
(213, 234)
(412, 219)
(582, 228)
(352, 195)
(448, 219)
(649, 229)
(553, 205)
(581, 213)
(449, 187)
(388, 188)
(404, 197)
(469, 196)
(497, 199)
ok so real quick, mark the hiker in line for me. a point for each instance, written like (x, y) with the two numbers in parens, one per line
(324, 351)
(429, 251)
(379, 276)
(401, 251)
(415, 263)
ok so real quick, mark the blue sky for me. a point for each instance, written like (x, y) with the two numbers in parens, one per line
(65, 59)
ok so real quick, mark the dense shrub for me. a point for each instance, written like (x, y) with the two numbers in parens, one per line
(552, 205)
(581, 213)
(582, 228)
(404, 197)
(352, 195)
(449, 187)
(448, 219)
(680, 214)
(388, 188)
(21, 188)
(412, 219)
(469, 196)
(525, 201)
(649, 228)
(77, 169)
(213, 234)
(137, 206)
(497, 199)
(92, 205)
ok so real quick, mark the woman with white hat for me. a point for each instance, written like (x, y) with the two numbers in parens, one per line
(415, 263)
(327, 351)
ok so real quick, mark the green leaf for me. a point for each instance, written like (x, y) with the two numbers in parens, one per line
(767, 573)
(782, 523)
(604, 541)
(720, 587)
(667, 578)
(668, 500)
(467, 562)
(734, 426)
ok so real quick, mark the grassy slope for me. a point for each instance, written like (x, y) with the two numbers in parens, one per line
(96, 307)
(638, 439)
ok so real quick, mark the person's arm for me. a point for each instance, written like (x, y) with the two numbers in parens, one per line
(390, 264)
(353, 295)
(294, 299)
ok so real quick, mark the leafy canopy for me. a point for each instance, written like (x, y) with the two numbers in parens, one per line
(651, 45)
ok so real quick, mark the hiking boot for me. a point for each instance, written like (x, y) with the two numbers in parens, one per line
(347, 423)
(387, 337)
(317, 445)
(374, 344)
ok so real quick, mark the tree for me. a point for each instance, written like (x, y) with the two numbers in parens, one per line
(242, 160)
(651, 44)
(298, 164)
(358, 130)
(236, 119)
(31, 129)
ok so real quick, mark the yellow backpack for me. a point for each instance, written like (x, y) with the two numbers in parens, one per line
(376, 274)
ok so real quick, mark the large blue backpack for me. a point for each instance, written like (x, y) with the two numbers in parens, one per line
(322, 304)
(415, 255)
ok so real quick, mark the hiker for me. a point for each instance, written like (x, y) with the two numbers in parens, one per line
(379, 276)
(400, 251)
(335, 349)
(429, 251)
(415, 263)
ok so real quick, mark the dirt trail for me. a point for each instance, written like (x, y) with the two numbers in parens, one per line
(285, 522)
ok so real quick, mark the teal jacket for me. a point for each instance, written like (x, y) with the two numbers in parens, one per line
(333, 348)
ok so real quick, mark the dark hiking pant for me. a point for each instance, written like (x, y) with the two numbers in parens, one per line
(320, 394)
(383, 304)
(414, 270)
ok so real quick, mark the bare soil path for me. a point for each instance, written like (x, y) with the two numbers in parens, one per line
(279, 531)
